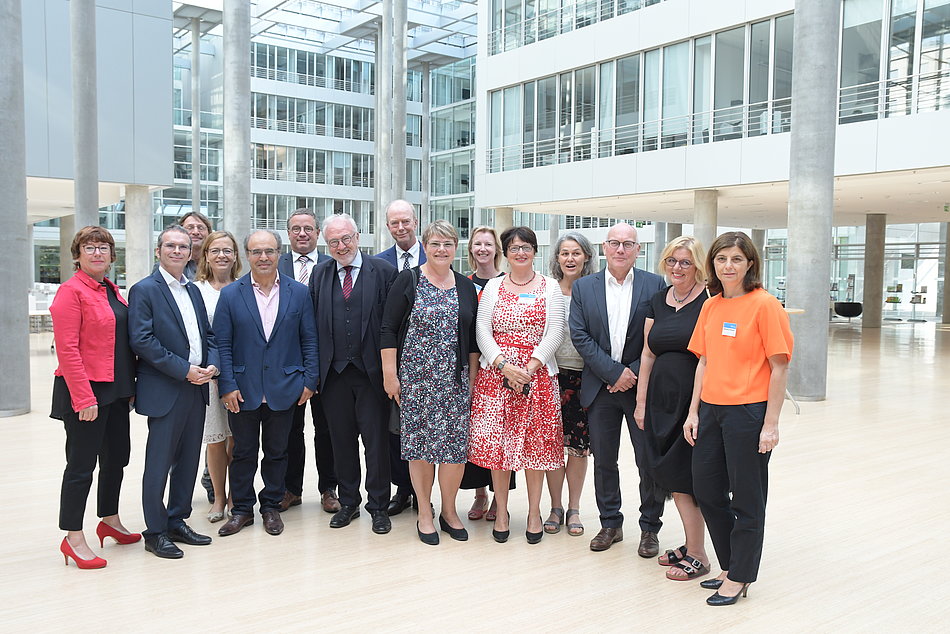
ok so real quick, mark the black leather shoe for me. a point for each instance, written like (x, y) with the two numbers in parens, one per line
(344, 516)
(718, 599)
(186, 535)
(161, 546)
(458, 534)
(432, 539)
(399, 503)
(711, 584)
(501, 536)
(381, 523)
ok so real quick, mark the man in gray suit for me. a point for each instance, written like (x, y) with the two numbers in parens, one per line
(607, 314)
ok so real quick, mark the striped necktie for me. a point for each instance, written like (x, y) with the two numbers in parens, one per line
(347, 283)
(304, 276)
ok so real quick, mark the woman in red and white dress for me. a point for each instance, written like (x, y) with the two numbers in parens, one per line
(516, 404)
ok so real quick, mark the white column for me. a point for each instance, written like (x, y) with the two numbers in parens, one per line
(237, 112)
(943, 293)
(758, 239)
(872, 309)
(82, 30)
(399, 76)
(425, 215)
(139, 245)
(384, 124)
(196, 114)
(15, 307)
(811, 191)
(31, 250)
(705, 215)
(67, 229)
(504, 218)
(660, 238)
(675, 230)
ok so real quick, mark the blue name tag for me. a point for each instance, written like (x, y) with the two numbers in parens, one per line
(526, 298)
(729, 329)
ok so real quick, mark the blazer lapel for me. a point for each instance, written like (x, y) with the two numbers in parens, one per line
(368, 291)
(172, 304)
(247, 292)
(635, 296)
(282, 303)
(600, 301)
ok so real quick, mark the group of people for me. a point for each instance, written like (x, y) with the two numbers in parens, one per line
(441, 376)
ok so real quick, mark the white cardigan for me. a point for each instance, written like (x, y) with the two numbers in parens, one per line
(554, 330)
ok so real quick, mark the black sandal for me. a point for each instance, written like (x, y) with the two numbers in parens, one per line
(672, 558)
(693, 568)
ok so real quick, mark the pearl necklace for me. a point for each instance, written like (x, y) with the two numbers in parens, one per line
(534, 275)
(678, 300)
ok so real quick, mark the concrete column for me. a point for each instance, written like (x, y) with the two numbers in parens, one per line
(31, 250)
(811, 191)
(400, 76)
(15, 307)
(384, 123)
(758, 239)
(377, 126)
(943, 296)
(873, 301)
(139, 245)
(82, 31)
(426, 129)
(504, 218)
(196, 114)
(660, 238)
(237, 112)
(705, 215)
(67, 229)
(675, 230)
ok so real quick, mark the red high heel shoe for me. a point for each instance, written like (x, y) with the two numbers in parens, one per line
(104, 530)
(84, 564)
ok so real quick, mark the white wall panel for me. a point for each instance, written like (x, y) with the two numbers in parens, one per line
(115, 78)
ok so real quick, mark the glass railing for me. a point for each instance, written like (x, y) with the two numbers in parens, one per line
(564, 19)
(213, 120)
(311, 80)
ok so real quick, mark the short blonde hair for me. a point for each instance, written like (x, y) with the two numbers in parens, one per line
(472, 264)
(696, 253)
(441, 228)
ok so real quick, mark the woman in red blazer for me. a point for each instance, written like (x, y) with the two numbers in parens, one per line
(94, 383)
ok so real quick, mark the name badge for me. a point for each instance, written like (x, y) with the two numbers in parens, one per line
(526, 298)
(728, 329)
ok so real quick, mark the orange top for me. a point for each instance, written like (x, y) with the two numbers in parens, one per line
(737, 336)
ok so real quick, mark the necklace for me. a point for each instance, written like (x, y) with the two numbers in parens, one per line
(677, 299)
(533, 275)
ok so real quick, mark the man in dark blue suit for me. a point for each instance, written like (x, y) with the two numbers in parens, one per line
(267, 340)
(607, 314)
(303, 232)
(406, 253)
(349, 294)
(168, 330)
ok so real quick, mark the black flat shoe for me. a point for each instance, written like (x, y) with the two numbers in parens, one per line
(432, 539)
(534, 538)
(501, 536)
(718, 599)
(458, 534)
(711, 584)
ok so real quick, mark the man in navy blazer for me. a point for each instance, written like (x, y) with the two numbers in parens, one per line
(349, 294)
(268, 347)
(168, 330)
(406, 253)
(607, 314)
(303, 232)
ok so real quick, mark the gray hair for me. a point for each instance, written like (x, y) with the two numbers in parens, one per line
(270, 231)
(169, 228)
(585, 246)
(335, 217)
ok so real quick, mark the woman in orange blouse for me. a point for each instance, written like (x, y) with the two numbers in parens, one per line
(744, 344)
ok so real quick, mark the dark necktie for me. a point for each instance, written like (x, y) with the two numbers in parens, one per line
(405, 260)
(347, 282)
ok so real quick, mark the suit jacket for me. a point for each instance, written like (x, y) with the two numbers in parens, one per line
(277, 369)
(286, 265)
(376, 276)
(157, 335)
(590, 331)
(390, 256)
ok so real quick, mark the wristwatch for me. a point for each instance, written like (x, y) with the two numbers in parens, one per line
(501, 365)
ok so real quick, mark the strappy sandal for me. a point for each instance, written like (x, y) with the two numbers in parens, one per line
(575, 529)
(550, 526)
(478, 513)
(673, 557)
(693, 568)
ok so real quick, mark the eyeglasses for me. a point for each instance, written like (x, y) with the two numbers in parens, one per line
(627, 244)
(196, 227)
(306, 229)
(216, 251)
(673, 262)
(442, 245)
(256, 253)
(338, 241)
(520, 248)
(90, 249)
(176, 246)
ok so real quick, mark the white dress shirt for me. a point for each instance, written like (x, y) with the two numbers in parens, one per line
(187, 310)
(413, 256)
(619, 296)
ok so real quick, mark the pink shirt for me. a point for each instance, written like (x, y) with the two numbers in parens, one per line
(267, 305)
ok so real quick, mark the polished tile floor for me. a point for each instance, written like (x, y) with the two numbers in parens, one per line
(858, 516)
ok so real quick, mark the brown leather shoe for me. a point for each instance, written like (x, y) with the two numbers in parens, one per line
(235, 524)
(272, 522)
(649, 545)
(606, 538)
(289, 500)
(330, 501)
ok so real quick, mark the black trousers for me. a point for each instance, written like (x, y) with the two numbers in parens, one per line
(253, 430)
(726, 459)
(172, 452)
(605, 417)
(322, 449)
(105, 440)
(357, 410)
